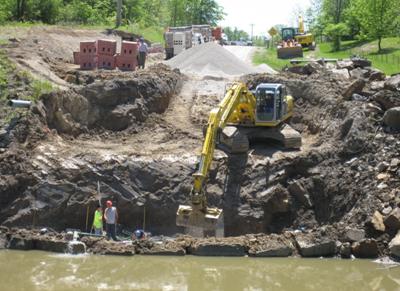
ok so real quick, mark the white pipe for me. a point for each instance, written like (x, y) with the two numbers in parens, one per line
(19, 103)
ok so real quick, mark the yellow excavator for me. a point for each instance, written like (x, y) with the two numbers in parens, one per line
(241, 116)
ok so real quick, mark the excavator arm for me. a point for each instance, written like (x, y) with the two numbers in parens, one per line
(198, 214)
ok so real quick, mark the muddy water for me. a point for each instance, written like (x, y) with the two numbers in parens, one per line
(43, 271)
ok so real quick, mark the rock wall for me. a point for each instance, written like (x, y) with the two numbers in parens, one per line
(114, 104)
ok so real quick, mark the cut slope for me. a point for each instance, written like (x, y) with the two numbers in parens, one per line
(210, 59)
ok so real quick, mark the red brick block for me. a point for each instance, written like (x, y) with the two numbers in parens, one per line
(107, 47)
(126, 63)
(88, 48)
(87, 62)
(129, 48)
(106, 62)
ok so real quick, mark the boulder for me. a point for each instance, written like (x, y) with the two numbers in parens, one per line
(387, 99)
(394, 246)
(359, 73)
(344, 64)
(296, 70)
(341, 73)
(376, 75)
(354, 234)
(312, 68)
(377, 222)
(170, 252)
(377, 85)
(309, 247)
(392, 221)
(345, 250)
(3, 241)
(355, 87)
(360, 62)
(393, 83)
(218, 249)
(391, 118)
(358, 97)
(49, 245)
(20, 243)
(283, 251)
(367, 248)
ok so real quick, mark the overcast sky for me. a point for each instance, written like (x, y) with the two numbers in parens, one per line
(262, 13)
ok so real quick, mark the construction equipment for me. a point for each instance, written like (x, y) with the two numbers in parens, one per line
(305, 39)
(241, 116)
(294, 40)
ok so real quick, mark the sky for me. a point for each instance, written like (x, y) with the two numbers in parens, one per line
(262, 13)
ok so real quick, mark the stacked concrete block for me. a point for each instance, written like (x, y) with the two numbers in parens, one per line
(107, 47)
(87, 55)
(127, 59)
(107, 50)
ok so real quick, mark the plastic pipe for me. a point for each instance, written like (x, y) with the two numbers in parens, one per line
(19, 103)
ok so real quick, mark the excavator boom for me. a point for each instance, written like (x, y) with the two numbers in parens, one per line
(198, 214)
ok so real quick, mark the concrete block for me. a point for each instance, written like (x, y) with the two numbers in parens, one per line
(88, 48)
(106, 62)
(126, 63)
(87, 62)
(129, 49)
(106, 47)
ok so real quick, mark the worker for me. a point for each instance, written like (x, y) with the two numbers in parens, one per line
(143, 50)
(98, 221)
(111, 218)
(139, 234)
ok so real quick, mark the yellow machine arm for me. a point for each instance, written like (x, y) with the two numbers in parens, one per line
(301, 25)
(233, 108)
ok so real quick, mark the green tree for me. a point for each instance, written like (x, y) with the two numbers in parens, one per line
(377, 17)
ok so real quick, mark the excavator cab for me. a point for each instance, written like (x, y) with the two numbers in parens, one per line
(272, 103)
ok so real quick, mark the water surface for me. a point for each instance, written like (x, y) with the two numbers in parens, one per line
(34, 270)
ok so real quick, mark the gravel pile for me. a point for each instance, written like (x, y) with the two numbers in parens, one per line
(210, 59)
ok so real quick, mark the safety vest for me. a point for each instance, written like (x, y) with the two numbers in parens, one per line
(98, 219)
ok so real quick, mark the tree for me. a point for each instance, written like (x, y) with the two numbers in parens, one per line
(377, 17)
(119, 13)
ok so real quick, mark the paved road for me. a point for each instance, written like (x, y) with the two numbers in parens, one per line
(245, 53)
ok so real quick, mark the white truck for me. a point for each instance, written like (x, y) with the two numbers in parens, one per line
(178, 39)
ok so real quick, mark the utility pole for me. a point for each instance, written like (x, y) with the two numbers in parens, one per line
(252, 27)
(119, 12)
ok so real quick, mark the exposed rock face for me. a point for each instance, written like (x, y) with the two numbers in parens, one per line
(377, 222)
(367, 248)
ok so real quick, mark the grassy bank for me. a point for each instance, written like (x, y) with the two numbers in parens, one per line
(388, 60)
(152, 33)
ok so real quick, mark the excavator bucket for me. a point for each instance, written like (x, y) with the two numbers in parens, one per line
(188, 216)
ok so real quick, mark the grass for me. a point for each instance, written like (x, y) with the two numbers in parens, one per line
(6, 68)
(269, 57)
(152, 33)
(388, 60)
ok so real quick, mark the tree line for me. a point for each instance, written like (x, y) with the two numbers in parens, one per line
(354, 19)
(143, 12)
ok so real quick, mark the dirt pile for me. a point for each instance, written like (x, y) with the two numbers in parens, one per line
(113, 104)
(210, 59)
